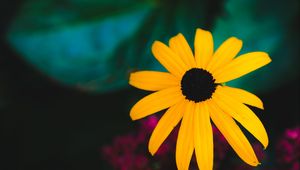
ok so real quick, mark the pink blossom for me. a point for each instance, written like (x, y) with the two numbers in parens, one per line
(288, 149)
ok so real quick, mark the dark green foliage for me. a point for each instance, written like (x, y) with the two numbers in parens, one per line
(94, 45)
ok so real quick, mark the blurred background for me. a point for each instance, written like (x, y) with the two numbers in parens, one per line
(64, 66)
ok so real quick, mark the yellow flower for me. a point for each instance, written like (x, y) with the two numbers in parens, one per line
(193, 90)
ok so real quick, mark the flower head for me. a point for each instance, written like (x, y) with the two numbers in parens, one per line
(193, 90)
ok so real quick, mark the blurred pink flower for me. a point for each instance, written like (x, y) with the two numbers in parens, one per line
(288, 149)
(122, 154)
(127, 152)
(220, 144)
(146, 127)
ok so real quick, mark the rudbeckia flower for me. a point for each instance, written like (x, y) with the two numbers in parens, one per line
(194, 92)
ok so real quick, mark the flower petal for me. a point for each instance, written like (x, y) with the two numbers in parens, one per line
(181, 47)
(170, 60)
(232, 134)
(242, 65)
(156, 102)
(185, 141)
(224, 54)
(203, 137)
(165, 125)
(204, 47)
(153, 80)
(243, 96)
(242, 114)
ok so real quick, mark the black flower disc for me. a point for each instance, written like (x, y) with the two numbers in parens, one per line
(198, 85)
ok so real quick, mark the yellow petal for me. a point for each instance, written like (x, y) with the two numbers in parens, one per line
(185, 141)
(242, 114)
(225, 53)
(242, 65)
(165, 125)
(204, 47)
(170, 60)
(181, 47)
(232, 134)
(156, 102)
(243, 96)
(203, 137)
(153, 80)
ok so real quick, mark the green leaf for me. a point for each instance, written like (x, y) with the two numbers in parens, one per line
(73, 45)
(263, 26)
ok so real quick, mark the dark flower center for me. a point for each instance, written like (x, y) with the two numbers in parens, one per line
(198, 85)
